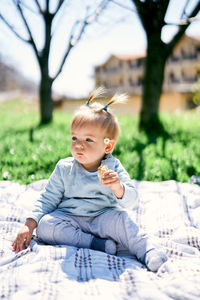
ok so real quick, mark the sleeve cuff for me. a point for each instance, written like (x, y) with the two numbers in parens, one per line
(130, 198)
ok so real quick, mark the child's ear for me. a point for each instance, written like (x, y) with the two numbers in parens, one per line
(110, 147)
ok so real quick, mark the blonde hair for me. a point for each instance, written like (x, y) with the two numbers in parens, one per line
(98, 114)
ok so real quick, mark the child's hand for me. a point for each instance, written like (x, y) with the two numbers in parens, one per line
(24, 235)
(111, 179)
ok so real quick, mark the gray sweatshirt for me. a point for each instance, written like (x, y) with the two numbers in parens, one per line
(76, 191)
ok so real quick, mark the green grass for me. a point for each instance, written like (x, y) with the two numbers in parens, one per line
(176, 157)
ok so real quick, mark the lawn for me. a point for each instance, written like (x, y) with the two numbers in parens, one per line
(24, 160)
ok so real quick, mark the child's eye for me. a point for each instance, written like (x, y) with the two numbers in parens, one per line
(89, 140)
(74, 138)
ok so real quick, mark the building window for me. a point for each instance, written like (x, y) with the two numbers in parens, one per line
(183, 75)
(121, 82)
(139, 62)
(131, 82)
(131, 64)
(140, 81)
(175, 58)
(173, 78)
(189, 55)
(105, 84)
(120, 64)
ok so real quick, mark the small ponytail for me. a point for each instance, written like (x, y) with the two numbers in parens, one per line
(117, 98)
(98, 92)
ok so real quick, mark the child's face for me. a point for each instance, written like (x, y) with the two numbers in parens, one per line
(87, 146)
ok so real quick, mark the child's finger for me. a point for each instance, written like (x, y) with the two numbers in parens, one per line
(109, 183)
(109, 174)
(110, 180)
(19, 242)
(20, 246)
(27, 242)
(109, 177)
(13, 246)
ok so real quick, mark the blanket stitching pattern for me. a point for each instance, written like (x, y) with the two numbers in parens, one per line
(168, 211)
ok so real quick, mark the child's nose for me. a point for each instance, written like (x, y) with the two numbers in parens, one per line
(79, 144)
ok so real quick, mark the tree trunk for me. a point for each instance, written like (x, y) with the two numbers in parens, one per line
(46, 101)
(152, 87)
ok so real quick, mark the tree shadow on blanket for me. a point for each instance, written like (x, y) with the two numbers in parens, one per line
(82, 264)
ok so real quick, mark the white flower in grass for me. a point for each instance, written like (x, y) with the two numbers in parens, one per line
(12, 151)
(6, 175)
(34, 157)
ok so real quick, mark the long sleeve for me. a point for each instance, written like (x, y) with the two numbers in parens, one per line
(51, 197)
(130, 197)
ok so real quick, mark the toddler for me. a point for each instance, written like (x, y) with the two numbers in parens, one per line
(81, 209)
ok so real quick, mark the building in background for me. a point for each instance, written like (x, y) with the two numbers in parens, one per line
(13, 84)
(124, 73)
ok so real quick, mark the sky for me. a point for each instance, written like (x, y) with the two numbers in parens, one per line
(122, 35)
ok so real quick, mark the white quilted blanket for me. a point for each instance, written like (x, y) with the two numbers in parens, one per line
(169, 211)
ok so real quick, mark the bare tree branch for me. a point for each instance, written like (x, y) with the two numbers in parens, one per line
(47, 5)
(184, 21)
(31, 41)
(73, 40)
(93, 17)
(13, 29)
(60, 3)
(29, 8)
(182, 29)
(140, 10)
(124, 6)
(70, 45)
(164, 5)
(101, 7)
(184, 9)
(39, 7)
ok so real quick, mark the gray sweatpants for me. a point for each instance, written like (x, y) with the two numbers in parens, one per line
(59, 228)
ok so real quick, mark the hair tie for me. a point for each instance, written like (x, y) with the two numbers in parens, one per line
(105, 107)
(87, 103)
